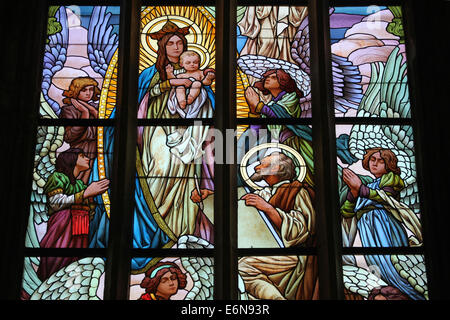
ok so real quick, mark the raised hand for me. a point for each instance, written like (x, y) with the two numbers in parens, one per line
(252, 98)
(96, 188)
(85, 108)
(352, 180)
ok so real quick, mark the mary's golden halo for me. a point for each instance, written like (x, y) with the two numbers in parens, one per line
(194, 37)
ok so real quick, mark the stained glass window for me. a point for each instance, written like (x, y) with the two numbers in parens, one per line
(273, 38)
(197, 213)
(70, 181)
(377, 177)
(70, 200)
(81, 49)
(394, 147)
(174, 191)
(181, 278)
(177, 62)
(369, 62)
(275, 178)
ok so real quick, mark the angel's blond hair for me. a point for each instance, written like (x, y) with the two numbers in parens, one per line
(76, 85)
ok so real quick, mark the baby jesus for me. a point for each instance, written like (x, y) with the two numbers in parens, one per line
(190, 62)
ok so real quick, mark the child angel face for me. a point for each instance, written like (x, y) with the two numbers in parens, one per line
(271, 82)
(86, 93)
(380, 161)
(82, 88)
(377, 166)
(168, 284)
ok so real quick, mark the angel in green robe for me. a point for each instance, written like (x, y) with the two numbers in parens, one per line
(70, 204)
(283, 104)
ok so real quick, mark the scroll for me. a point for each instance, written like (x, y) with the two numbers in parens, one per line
(253, 232)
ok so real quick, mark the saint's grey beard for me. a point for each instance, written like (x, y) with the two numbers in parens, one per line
(257, 177)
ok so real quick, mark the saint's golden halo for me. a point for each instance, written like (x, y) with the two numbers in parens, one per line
(299, 162)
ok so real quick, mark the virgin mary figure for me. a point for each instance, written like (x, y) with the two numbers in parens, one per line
(164, 210)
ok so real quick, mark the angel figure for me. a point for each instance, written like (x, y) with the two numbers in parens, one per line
(383, 207)
(379, 213)
(58, 62)
(162, 281)
(177, 278)
(70, 204)
(80, 101)
(376, 199)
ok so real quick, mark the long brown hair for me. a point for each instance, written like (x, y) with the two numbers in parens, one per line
(151, 281)
(390, 159)
(66, 162)
(284, 79)
(162, 61)
(76, 85)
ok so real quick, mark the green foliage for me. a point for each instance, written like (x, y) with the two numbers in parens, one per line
(396, 11)
(53, 26)
(396, 26)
